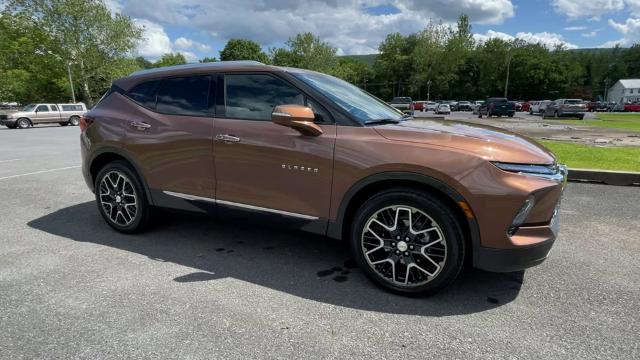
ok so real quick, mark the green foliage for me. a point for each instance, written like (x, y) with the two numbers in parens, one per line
(305, 51)
(86, 34)
(170, 59)
(242, 49)
(208, 59)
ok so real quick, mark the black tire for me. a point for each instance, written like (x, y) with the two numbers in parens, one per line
(441, 217)
(63, 123)
(510, 115)
(581, 117)
(74, 121)
(23, 123)
(140, 221)
(555, 114)
(11, 126)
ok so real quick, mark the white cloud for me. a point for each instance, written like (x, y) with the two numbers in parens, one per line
(589, 34)
(575, 9)
(634, 7)
(345, 24)
(575, 28)
(186, 44)
(550, 40)
(630, 31)
(155, 40)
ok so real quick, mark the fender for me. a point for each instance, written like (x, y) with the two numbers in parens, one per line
(126, 156)
(335, 227)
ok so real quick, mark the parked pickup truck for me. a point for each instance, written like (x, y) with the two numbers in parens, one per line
(497, 107)
(32, 114)
(403, 103)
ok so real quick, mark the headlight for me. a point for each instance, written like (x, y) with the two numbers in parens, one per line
(552, 172)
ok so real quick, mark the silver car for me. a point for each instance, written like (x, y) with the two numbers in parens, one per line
(32, 114)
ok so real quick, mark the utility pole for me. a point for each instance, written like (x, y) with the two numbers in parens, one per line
(506, 82)
(428, 90)
(73, 93)
(606, 88)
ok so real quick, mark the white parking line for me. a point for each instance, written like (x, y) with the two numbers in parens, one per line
(40, 172)
(10, 160)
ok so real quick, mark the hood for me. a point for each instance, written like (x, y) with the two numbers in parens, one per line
(490, 143)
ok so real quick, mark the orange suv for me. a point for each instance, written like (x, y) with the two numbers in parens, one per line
(415, 199)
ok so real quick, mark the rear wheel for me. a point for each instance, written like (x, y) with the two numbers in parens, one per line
(407, 242)
(121, 199)
(74, 121)
(23, 123)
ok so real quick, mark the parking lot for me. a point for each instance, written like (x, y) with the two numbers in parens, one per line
(193, 287)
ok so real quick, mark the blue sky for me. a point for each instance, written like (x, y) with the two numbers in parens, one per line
(199, 28)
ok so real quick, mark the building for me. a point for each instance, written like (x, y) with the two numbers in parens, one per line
(624, 91)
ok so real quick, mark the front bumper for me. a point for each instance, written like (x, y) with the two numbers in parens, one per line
(7, 122)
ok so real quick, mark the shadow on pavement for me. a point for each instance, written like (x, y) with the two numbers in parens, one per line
(297, 263)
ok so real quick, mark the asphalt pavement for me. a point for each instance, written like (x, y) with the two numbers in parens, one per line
(196, 288)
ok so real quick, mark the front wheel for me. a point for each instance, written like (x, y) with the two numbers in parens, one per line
(407, 242)
(121, 199)
(23, 123)
(74, 121)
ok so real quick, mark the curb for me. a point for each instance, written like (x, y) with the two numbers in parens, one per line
(621, 178)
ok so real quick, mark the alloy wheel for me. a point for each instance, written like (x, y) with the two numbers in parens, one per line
(404, 245)
(118, 198)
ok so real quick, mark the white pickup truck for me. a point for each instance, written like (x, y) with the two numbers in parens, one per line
(32, 114)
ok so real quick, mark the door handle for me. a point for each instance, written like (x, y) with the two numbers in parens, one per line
(142, 126)
(227, 138)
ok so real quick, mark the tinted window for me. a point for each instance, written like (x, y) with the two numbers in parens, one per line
(184, 96)
(253, 97)
(42, 108)
(145, 93)
(71, 107)
(54, 108)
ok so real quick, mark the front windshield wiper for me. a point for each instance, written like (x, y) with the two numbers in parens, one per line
(381, 121)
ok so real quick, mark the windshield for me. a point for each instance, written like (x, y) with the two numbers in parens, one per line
(29, 107)
(357, 102)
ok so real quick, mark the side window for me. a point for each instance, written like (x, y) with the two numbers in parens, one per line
(184, 96)
(144, 93)
(253, 96)
(320, 113)
(43, 108)
(54, 108)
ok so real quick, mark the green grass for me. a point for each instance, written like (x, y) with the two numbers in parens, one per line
(591, 157)
(630, 121)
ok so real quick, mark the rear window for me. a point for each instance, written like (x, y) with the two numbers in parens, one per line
(71, 107)
(145, 93)
(184, 96)
(573, 101)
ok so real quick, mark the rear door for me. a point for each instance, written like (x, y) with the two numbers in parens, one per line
(268, 167)
(170, 136)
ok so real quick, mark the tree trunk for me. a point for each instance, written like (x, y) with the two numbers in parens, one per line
(86, 92)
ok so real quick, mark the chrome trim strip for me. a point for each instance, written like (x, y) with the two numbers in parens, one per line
(189, 197)
(239, 205)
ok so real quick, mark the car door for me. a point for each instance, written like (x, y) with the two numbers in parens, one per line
(55, 114)
(264, 166)
(170, 137)
(43, 113)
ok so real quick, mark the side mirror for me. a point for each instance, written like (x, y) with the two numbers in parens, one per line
(297, 117)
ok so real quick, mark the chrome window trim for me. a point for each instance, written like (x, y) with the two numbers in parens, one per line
(239, 205)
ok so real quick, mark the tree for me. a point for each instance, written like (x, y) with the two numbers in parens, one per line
(143, 63)
(305, 51)
(207, 59)
(88, 35)
(353, 71)
(242, 49)
(27, 72)
(170, 59)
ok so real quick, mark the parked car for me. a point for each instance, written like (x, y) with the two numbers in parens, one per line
(538, 107)
(33, 114)
(431, 106)
(443, 109)
(419, 105)
(597, 106)
(453, 105)
(632, 107)
(403, 103)
(415, 200)
(465, 106)
(497, 107)
(518, 105)
(476, 106)
(566, 107)
(525, 106)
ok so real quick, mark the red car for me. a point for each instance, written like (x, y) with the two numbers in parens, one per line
(526, 106)
(635, 107)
